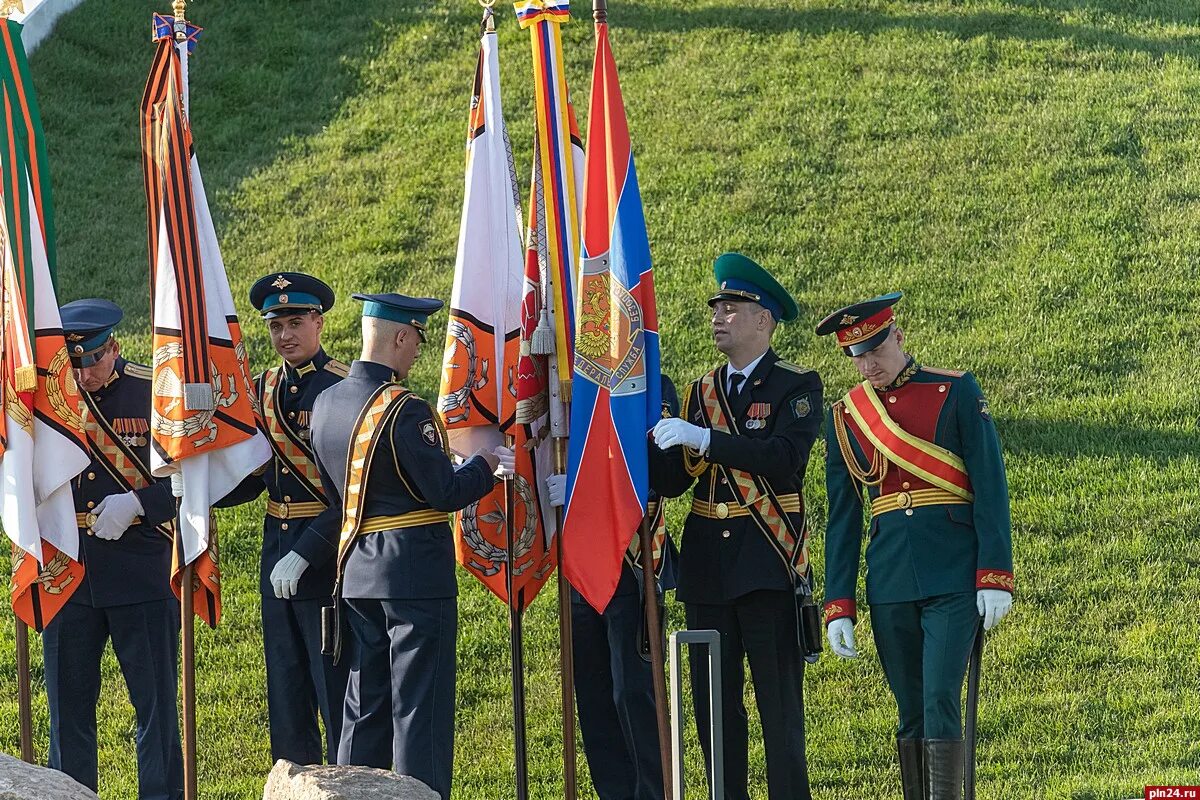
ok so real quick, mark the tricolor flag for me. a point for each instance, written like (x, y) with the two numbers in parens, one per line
(41, 430)
(478, 397)
(618, 386)
(203, 424)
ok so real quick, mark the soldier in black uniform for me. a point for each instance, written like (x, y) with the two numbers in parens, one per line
(125, 547)
(614, 683)
(396, 556)
(300, 531)
(746, 433)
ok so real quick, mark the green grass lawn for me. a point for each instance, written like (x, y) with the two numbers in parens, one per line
(1026, 170)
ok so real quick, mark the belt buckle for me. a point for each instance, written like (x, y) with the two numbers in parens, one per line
(90, 519)
(903, 500)
(722, 510)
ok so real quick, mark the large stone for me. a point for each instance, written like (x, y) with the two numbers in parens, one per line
(289, 781)
(21, 781)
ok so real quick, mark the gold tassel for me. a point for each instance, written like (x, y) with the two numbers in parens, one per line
(25, 379)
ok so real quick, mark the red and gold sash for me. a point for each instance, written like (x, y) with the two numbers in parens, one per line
(658, 538)
(368, 431)
(935, 464)
(754, 493)
(289, 446)
(119, 460)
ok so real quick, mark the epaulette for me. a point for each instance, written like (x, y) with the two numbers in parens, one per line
(339, 368)
(949, 373)
(139, 371)
(790, 367)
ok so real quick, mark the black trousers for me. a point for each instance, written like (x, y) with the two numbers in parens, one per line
(759, 627)
(399, 709)
(301, 683)
(145, 638)
(614, 692)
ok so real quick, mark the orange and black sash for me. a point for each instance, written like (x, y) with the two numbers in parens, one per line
(371, 427)
(658, 538)
(289, 446)
(754, 493)
(923, 458)
(119, 460)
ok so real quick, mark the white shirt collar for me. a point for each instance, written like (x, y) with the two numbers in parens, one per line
(747, 370)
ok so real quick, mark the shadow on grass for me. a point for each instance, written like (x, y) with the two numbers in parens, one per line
(1090, 440)
(263, 78)
(1024, 23)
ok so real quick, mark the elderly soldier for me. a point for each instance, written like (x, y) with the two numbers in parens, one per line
(396, 556)
(746, 431)
(300, 531)
(126, 551)
(614, 685)
(917, 448)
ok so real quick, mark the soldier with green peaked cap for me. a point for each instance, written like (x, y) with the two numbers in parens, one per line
(913, 451)
(743, 441)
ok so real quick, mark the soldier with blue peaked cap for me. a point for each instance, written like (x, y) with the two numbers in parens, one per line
(913, 450)
(743, 440)
(394, 488)
(300, 530)
(124, 518)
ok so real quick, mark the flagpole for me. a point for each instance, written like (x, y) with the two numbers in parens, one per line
(24, 693)
(657, 666)
(566, 662)
(515, 640)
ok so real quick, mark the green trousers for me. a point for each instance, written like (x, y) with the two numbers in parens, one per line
(924, 646)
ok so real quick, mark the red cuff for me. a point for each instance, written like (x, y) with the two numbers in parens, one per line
(994, 579)
(836, 609)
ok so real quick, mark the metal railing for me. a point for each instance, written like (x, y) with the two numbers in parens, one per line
(716, 778)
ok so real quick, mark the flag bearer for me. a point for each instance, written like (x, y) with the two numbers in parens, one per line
(124, 518)
(396, 557)
(299, 532)
(915, 449)
(746, 431)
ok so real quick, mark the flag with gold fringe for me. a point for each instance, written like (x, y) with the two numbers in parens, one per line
(41, 430)
(202, 423)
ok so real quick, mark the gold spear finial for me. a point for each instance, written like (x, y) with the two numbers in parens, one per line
(10, 7)
(180, 8)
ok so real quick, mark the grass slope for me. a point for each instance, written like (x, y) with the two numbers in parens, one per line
(1024, 169)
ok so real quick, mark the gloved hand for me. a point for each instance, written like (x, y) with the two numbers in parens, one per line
(556, 485)
(115, 514)
(508, 462)
(840, 634)
(673, 431)
(177, 484)
(993, 604)
(285, 577)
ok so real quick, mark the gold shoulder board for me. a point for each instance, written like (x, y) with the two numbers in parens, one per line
(790, 367)
(950, 373)
(138, 371)
(339, 368)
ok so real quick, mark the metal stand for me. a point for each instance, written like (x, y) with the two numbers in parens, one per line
(716, 778)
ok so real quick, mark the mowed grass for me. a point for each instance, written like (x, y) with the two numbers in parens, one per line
(1025, 170)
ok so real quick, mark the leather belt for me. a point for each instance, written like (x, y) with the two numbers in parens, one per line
(906, 501)
(84, 520)
(703, 508)
(412, 519)
(294, 510)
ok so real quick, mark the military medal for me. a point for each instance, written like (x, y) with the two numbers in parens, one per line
(757, 415)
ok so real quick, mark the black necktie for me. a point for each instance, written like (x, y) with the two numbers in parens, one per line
(735, 384)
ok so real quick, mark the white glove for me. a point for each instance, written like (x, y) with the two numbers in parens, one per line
(285, 577)
(115, 514)
(556, 485)
(993, 604)
(177, 484)
(508, 462)
(673, 431)
(840, 634)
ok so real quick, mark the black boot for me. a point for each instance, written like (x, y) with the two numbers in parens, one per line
(912, 776)
(944, 766)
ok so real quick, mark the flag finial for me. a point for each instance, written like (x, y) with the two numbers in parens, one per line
(10, 7)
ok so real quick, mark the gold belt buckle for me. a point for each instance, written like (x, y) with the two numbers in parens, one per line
(90, 519)
(722, 510)
(903, 500)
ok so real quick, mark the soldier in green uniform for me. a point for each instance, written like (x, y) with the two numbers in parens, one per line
(913, 449)
(746, 431)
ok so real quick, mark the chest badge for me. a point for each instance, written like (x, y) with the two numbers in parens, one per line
(756, 416)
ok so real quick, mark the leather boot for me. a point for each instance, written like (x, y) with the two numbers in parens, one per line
(912, 776)
(944, 767)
